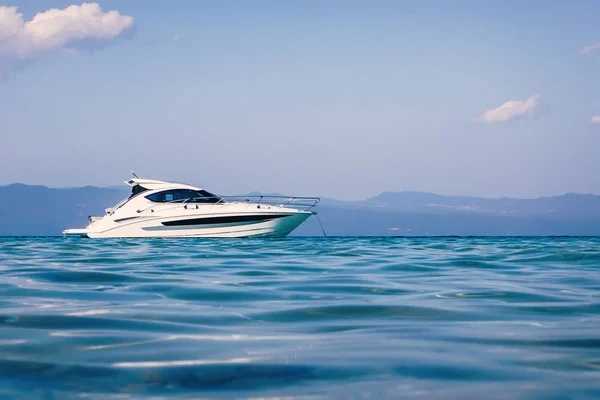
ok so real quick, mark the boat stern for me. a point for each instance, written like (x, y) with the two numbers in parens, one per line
(75, 233)
(83, 232)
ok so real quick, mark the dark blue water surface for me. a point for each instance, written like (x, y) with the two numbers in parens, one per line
(427, 318)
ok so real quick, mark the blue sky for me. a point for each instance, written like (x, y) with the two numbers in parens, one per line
(332, 98)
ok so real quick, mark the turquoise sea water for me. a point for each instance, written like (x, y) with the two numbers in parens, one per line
(365, 318)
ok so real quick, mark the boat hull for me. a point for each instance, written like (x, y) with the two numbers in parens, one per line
(269, 225)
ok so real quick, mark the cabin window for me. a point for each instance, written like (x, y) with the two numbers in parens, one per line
(183, 195)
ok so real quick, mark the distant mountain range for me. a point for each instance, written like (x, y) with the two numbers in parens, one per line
(40, 211)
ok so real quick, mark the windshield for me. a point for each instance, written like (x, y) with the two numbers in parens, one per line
(137, 189)
(184, 195)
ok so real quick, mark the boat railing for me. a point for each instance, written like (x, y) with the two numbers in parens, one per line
(296, 202)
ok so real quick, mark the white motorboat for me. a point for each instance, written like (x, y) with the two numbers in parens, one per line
(166, 209)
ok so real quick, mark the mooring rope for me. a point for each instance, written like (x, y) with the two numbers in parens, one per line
(320, 224)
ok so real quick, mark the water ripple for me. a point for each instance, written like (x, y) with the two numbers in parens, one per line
(303, 317)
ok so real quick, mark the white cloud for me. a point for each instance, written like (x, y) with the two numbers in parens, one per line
(589, 48)
(177, 36)
(511, 109)
(595, 119)
(54, 30)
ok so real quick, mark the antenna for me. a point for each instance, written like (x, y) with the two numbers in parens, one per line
(135, 175)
